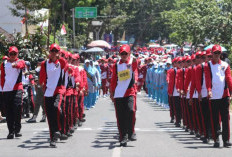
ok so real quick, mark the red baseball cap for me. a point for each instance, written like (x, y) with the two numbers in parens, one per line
(75, 56)
(55, 46)
(193, 56)
(203, 53)
(216, 48)
(208, 52)
(199, 53)
(188, 58)
(4, 57)
(13, 49)
(124, 48)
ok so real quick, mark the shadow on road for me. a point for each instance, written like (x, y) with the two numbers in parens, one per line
(183, 137)
(41, 140)
(155, 106)
(108, 137)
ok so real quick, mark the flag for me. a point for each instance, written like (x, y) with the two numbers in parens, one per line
(23, 20)
(63, 30)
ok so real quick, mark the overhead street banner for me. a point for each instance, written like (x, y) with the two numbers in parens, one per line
(85, 12)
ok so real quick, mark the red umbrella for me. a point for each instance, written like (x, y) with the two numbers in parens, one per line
(99, 43)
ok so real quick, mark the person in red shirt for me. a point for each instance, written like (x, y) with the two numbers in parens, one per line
(194, 98)
(51, 78)
(141, 75)
(202, 95)
(123, 93)
(187, 85)
(171, 76)
(12, 90)
(104, 70)
(219, 86)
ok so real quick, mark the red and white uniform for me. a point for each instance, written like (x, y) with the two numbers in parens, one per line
(11, 78)
(104, 70)
(51, 76)
(218, 75)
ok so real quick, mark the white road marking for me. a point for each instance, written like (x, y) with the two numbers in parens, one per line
(117, 152)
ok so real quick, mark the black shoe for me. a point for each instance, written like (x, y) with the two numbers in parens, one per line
(227, 144)
(202, 137)
(177, 124)
(27, 115)
(18, 135)
(82, 120)
(216, 144)
(206, 140)
(57, 135)
(186, 130)
(63, 137)
(72, 130)
(198, 135)
(83, 116)
(10, 136)
(53, 144)
(191, 132)
(133, 137)
(172, 121)
(43, 119)
(124, 141)
(69, 134)
(32, 120)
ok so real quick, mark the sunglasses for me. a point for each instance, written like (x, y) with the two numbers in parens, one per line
(13, 54)
(123, 54)
(197, 57)
(203, 57)
(188, 61)
(54, 50)
(217, 52)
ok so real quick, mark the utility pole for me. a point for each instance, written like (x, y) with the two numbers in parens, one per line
(73, 16)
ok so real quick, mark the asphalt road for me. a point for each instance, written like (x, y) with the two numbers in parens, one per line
(98, 137)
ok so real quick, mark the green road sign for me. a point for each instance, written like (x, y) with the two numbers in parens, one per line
(85, 12)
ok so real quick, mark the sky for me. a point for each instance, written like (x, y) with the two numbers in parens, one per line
(7, 21)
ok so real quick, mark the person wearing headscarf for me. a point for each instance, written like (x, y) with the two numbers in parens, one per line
(92, 83)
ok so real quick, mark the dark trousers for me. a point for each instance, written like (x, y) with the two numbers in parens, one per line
(75, 109)
(170, 102)
(177, 109)
(2, 106)
(205, 116)
(125, 113)
(67, 113)
(220, 106)
(13, 102)
(81, 106)
(199, 117)
(53, 108)
(189, 115)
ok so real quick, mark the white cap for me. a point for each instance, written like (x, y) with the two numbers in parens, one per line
(96, 63)
(87, 61)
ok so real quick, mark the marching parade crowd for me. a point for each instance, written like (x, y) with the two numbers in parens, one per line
(196, 88)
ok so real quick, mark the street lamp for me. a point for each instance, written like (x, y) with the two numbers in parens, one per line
(97, 27)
